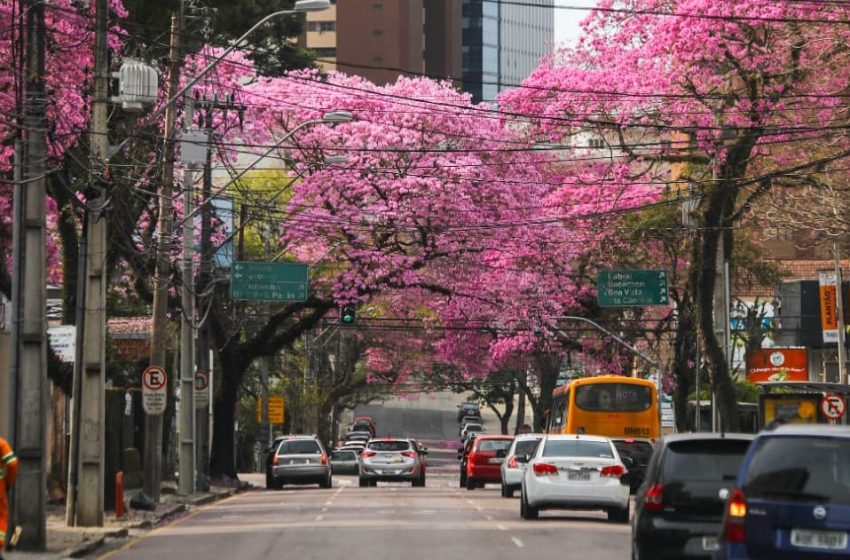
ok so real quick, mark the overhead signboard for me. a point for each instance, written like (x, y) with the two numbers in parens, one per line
(154, 390)
(268, 281)
(828, 308)
(632, 288)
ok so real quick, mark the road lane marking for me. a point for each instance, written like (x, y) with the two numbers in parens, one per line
(318, 518)
(517, 542)
(488, 517)
(501, 527)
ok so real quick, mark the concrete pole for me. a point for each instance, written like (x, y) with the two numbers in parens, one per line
(187, 328)
(719, 317)
(91, 464)
(29, 372)
(839, 300)
(153, 422)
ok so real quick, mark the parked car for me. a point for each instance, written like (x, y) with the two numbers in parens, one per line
(301, 460)
(484, 460)
(470, 419)
(575, 472)
(515, 461)
(791, 498)
(463, 453)
(391, 460)
(363, 419)
(468, 409)
(679, 506)
(357, 446)
(358, 436)
(363, 426)
(639, 450)
(345, 461)
(270, 453)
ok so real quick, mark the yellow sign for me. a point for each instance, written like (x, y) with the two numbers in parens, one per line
(276, 410)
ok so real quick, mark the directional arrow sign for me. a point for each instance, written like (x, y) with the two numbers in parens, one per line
(632, 288)
(267, 281)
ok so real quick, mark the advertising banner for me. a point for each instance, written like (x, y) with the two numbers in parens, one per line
(777, 364)
(828, 307)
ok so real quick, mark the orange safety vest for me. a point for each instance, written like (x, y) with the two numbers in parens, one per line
(8, 472)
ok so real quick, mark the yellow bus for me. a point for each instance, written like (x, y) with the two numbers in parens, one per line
(606, 405)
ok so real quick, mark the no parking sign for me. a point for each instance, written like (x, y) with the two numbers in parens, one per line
(154, 390)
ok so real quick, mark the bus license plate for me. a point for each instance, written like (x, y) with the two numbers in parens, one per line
(578, 475)
(831, 540)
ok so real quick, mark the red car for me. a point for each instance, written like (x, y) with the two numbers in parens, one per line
(484, 460)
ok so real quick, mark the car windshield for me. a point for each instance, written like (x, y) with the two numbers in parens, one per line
(577, 448)
(704, 460)
(494, 445)
(343, 456)
(799, 468)
(619, 397)
(389, 445)
(293, 447)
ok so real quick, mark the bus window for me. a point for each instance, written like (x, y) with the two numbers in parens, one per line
(613, 397)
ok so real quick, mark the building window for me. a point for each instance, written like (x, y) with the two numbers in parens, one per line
(377, 32)
(377, 59)
(378, 7)
(596, 143)
(321, 26)
(325, 53)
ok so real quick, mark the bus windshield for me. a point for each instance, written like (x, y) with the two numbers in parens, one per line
(613, 397)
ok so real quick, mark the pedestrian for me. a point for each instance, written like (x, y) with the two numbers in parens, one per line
(8, 472)
(524, 429)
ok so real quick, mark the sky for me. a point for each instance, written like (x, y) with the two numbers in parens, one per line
(567, 20)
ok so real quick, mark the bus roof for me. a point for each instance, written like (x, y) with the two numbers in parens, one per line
(603, 379)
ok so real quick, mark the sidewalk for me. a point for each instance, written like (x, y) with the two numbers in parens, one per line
(77, 542)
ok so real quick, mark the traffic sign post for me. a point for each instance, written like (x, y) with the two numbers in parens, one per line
(268, 281)
(154, 390)
(632, 288)
(833, 406)
(202, 388)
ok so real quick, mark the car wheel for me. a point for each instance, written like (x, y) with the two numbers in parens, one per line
(525, 510)
(326, 482)
(363, 483)
(373, 483)
(618, 515)
(504, 490)
(277, 483)
(269, 480)
(471, 483)
(463, 478)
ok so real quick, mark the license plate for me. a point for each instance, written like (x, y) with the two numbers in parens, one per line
(709, 543)
(832, 540)
(496, 460)
(578, 475)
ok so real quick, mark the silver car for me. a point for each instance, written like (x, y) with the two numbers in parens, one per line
(391, 460)
(301, 460)
(515, 462)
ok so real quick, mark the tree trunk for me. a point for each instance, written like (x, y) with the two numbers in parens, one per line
(721, 381)
(222, 463)
(548, 366)
(684, 354)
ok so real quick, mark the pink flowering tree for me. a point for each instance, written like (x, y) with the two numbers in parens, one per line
(733, 97)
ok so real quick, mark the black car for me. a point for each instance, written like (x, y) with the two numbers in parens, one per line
(468, 409)
(679, 507)
(640, 450)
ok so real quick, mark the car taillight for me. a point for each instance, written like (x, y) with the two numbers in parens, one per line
(736, 514)
(367, 454)
(653, 500)
(613, 471)
(545, 469)
(324, 459)
(275, 461)
(409, 454)
(512, 464)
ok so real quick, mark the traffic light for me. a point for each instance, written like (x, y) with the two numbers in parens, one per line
(347, 314)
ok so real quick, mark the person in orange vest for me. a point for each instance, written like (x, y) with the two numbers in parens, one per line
(8, 472)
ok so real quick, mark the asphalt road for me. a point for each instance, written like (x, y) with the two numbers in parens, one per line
(392, 520)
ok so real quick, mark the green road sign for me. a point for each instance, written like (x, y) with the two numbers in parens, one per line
(632, 288)
(267, 281)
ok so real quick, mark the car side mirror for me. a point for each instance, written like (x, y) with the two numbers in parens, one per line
(523, 458)
(629, 462)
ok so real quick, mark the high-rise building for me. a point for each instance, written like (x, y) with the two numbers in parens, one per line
(320, 36)
(503, 43)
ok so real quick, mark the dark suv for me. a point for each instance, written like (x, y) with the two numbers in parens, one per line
(679, 506)
(791, 498)
(468, 409)
(639, 450)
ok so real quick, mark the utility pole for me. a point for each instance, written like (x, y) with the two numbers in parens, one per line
(153, 422)
(90, 467)
(187, 326)
(29, 333)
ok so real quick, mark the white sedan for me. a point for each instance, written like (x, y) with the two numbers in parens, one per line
(575, 472)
